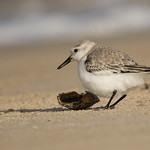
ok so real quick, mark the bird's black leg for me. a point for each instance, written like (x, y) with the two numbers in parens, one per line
(121, 98)
(113, 95)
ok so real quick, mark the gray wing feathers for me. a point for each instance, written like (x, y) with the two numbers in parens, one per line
(137, 68)
(105, 58)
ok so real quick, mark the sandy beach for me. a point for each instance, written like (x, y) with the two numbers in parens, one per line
(31, 118)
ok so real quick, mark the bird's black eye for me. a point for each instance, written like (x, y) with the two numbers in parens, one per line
(75, 50)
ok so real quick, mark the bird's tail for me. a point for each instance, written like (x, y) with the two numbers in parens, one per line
(137, 68)
(139, 71)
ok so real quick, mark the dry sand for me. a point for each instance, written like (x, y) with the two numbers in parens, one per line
(31, 118)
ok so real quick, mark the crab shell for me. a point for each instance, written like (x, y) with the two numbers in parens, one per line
(75, 101)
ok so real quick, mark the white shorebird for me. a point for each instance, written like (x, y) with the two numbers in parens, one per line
(106, 72)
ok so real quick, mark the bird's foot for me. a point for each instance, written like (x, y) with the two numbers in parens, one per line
(114, 104)
(107, 107)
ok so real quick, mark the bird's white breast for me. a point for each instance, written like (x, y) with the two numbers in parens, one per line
(104, 83)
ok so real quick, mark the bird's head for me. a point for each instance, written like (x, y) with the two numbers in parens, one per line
(78, 51)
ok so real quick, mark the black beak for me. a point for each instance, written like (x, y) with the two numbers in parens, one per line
(67, 61)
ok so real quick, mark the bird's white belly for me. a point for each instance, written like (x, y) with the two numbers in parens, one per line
(103, 84)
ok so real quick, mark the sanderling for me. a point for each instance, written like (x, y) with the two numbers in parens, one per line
(106, 72)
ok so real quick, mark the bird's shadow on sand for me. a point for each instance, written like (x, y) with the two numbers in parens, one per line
(35, 110)
(54, 109)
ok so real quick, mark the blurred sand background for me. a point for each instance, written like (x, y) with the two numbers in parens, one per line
(30, 117)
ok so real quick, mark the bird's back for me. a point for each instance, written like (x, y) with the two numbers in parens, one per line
(102, 58)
